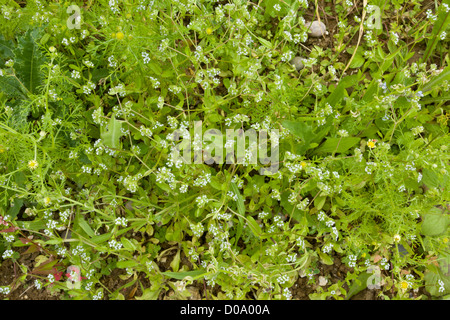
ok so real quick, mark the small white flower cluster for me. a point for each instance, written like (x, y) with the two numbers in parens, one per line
(193, 254)
(300, 242)
(112, 62)
(131, 182)
(197, 229)
(352, 261)
(287, 56)
(394, 37)
(87, 88)
(224, 216)
(118, 89)
(368, 36)
(321, 216)
(385, 264)
(202, 201)
(303, 204)
(291, 258)
(88, 64)
(287, 293)
(369, 167)
(146, 57)
(263, 215)
(75, 74)
(430, 15)
(121, 221)
(37, 284)
(278, 82)
(155, 82)
(165, 175)
(441, 285)
(97, 296)
(232, 195)
(282, 279)
(115, 245)
(327, 248)
(51, 278)
(7, 254)
(67, 42)
(446, 7)
(417, 130)
(275, 194)
(202, 181)
(278, 221)
(326, 111)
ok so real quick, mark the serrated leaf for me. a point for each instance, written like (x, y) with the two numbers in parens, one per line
(6, 48)
(28, 60)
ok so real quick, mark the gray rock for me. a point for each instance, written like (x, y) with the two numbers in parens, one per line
(317, 29)
(297, 63)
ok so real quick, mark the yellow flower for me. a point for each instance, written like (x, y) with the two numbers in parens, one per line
(128, 16)
(113, 35)
(209, 30)
(2, 149)
(33, 164)
(47, 201)
(445, 240)
(371, 143)
(303, 164)
(404, 285)
(120, 35)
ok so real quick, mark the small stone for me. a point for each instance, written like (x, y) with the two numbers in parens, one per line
(317, 29)
(322, 281)
(297, 63)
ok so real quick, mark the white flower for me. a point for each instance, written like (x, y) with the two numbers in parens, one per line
(7, 254)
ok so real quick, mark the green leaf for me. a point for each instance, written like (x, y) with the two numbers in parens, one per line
(100, 238)
(339, 145)
(435, 222)
(14, 210)
(150, 294)
(126, 264)
(28, 60)
(194, 274)
(325, 259)
(254, 226)
(431, 179)
(6, 48)
(85, 226)
(111, 135)
(437, 81)
(240, 200)
(439, 26)
(127, 244)
(358, 285)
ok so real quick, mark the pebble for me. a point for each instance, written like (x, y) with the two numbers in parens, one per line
(318, 29)
(322, 281)
(297, 63)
